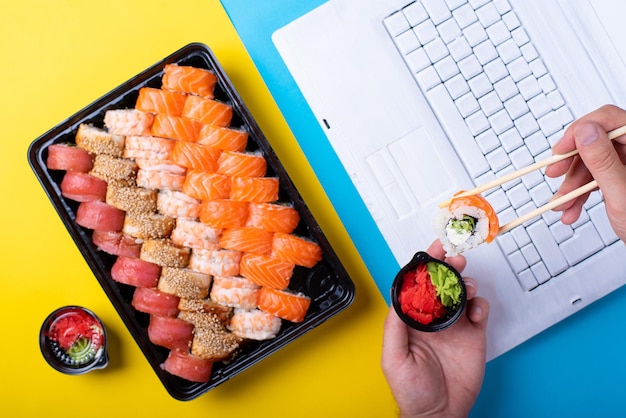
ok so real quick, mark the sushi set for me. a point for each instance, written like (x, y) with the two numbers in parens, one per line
(190, 223)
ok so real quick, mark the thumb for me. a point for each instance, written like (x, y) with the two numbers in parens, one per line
(601, 158)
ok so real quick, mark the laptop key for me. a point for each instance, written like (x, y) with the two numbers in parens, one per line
(585, 242)
(457, 131)
(543, 240)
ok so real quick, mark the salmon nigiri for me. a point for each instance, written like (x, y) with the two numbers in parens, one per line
(284, 304)
(195, 156)
(273, 217)
(298, 250)
(208, 111)
(266, 271)
(247, 239)
(226, 139)
(254, 189)
(160, 101)
(242, 164)
(224, 213)
(175, 127)
(206, 186)
(189, 79)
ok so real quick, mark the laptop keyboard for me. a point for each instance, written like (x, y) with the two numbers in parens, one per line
(485, 80)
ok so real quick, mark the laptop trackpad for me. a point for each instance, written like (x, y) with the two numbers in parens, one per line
(411, 172)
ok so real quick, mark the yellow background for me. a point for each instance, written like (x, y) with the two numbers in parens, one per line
(59, 56)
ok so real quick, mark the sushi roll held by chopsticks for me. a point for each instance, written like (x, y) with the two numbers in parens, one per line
(465, 223)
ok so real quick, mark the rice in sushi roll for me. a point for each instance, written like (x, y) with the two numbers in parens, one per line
(466, 223)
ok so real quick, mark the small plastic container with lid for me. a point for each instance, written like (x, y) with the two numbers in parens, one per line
(73, 340)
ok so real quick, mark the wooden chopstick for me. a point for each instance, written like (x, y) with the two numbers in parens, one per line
(549, 206)
(523, 171)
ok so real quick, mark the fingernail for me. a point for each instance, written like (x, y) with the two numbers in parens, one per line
(586, 134)
(476, 312)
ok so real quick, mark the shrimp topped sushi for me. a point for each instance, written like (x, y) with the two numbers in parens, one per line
(465, 223)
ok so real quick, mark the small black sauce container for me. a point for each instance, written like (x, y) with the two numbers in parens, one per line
(87, 335)
(452, 313)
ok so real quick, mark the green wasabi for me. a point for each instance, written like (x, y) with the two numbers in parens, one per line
(446, 284)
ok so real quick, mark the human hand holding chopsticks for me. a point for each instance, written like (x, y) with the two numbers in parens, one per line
(598, 159)
(603, 159)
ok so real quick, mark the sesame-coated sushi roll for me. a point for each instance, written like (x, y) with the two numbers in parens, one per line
(184, 282)
(466, 223)
(99, 141)
(164, 253)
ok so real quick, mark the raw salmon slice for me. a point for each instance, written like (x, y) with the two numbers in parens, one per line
(242, 164)
(175, 127)
(207, 111)
(195, 156)
(224, 213)
(266, 271)
(153, 100)
(298, 250)
(189, 79)
(128, 122)
(254, 324)
(273, 217)
(247, 239)
(226, 139)
(284, 304)
(254, 189)
(206, 186)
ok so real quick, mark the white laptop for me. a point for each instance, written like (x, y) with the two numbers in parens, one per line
(422, 99)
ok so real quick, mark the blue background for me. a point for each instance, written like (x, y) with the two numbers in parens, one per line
(574, 369)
